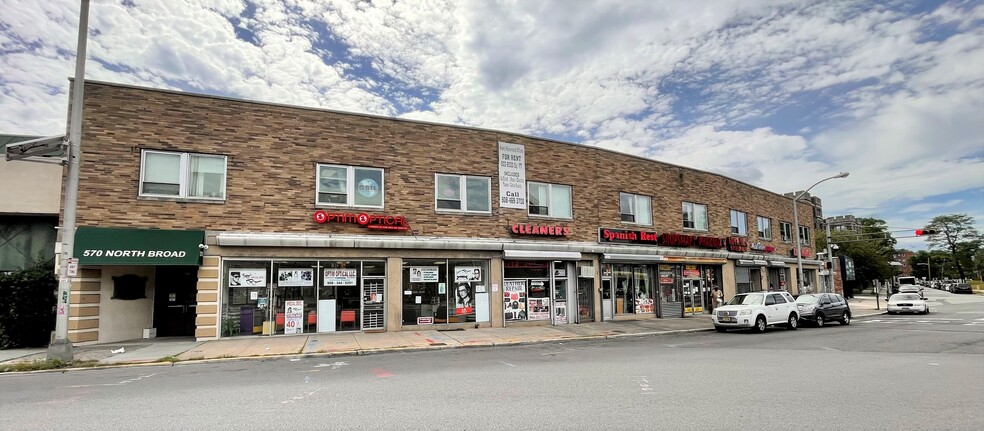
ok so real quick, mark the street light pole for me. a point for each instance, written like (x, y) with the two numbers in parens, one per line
(799, 250)
(61, 348)
(929, 269)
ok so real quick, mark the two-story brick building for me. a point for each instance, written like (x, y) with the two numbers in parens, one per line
(216, 217)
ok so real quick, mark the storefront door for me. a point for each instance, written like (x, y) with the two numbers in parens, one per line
(175, 289)
(624, 290)
(693, 291)
(607, 304)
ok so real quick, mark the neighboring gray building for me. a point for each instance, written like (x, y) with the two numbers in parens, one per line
(30, 201)
(845, 223)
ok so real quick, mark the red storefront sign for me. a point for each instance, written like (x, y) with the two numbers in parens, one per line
(376, 222)
(532, 229)
(627, 236)
(683, 240)
(737, 243)
(804, 252)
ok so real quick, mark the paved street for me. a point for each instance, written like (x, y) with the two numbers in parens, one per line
(883, 372)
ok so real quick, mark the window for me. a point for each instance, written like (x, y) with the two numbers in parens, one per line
(778, 299)
(785, 232)
(804, 233)
(182, 175)
(764, 227)
(694, 216)
(739, 222)
(550, 200)
(770, 300)
(636, 208)
(463, 193)
(350, 186)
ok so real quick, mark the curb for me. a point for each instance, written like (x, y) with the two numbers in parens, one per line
(360, 352)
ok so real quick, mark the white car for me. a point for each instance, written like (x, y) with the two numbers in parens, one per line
(757, 311)
(907, 303)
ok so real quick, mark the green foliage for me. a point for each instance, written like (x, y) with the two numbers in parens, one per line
(957, 236)
(871, 250)
(27, 301)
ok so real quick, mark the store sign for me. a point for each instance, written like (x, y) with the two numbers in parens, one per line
(759, 246)
(804, 252)
(627, 236)
(429, 320)
(376, 222)
(532, 229)
(340, 276)
(424, 274)
(683, 240)
(525, 264)
(118, 246)
(512, 175)
(737, 244)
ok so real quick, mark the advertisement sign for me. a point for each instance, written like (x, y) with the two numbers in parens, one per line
(691, 271)
(293, 316)
(72, 268)
(340, 277)
(290, 277)
(560, 312)
(514, 299)
(512, 176)
(429, 320)
(467, 273)
(539, 308)
(247, 277)
(423, 274)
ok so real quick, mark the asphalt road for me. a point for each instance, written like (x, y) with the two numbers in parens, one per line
(881, 373)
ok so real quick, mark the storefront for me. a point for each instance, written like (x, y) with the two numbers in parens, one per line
(445, 291)
(544, 287)
(778, 276)
(134, 283)
(748, 275)
(270, 296)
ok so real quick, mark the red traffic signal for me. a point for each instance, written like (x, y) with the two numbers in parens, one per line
(921, 232)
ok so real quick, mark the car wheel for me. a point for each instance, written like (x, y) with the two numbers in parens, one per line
(891, 312)
(819, 320)
(759, 324)
(927, 310)
(846, 320)
(720, 329)
(793, 322)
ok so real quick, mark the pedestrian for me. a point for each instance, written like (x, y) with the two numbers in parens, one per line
(718, 296)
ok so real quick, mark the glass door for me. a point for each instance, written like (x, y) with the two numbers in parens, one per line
(643, 290)
(624, 290)
(693, 297)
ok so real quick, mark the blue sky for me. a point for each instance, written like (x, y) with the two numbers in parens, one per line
(775, 93)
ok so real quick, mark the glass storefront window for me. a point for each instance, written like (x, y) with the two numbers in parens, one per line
(444, 291)
(585, 291)
(247, 299)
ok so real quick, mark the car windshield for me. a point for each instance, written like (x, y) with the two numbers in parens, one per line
(747, 299)
(908, 297)
(806, 299)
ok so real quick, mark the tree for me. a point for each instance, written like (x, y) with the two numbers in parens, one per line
(955, 234)
(871, 250)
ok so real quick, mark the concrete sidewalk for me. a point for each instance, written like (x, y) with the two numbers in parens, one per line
(360, 343)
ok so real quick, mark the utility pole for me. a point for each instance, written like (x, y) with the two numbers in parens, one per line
(830, 260)
(62, 349)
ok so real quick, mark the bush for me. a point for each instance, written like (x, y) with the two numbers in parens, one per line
(27, 306)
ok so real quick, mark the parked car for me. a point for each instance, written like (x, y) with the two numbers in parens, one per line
(907, 303)
(910, 288)
(962, 288)
(821, 308)
(757, 311)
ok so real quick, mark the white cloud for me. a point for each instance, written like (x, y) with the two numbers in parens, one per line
(931, 206)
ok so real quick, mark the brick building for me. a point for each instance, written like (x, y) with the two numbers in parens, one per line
(216, 217)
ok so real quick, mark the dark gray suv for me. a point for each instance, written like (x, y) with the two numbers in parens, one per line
(821, 308)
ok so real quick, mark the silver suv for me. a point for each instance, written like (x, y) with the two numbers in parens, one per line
(757, 311)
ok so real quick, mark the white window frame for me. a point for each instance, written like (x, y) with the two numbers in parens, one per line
(550, 206)
(184, 175)
(804, 234)
(635, 209)
(786, 228)
(349, 186)
(462, 193)
(693, 216)
(767, 233)
(742, 218)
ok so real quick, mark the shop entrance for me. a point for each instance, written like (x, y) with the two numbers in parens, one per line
(693, 296)
(633, 290)
(175, 302)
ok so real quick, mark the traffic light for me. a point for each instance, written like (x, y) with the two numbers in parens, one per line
(921, 232)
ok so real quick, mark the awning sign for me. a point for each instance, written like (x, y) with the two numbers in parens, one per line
(119, 246)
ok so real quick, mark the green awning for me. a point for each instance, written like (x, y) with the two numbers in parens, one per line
(119, 246)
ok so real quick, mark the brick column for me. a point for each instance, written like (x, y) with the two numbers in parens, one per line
(83, 306)
(209, 294)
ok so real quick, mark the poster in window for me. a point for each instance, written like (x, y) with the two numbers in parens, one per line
(293, 316)
(539, 308)
(464, 302)
(424, 274)
(292, 277)
(247, 277)
(560, 312)
(340, 276)
(467, 273)
(514, 306)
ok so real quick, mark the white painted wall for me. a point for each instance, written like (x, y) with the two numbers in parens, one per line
(29, 187)
(121, 320)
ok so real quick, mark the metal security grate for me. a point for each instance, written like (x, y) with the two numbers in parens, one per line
(372, 304)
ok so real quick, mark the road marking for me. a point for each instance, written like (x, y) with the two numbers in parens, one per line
(135, 379)
(644, 387)
(333, 365)
(299, 397)
(933, 363)
(830, 348)
(381, 373)
(505, 363)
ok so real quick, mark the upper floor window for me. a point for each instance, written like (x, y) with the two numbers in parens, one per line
(804, 233)
(764, 227)
(636, 208)
(350, 186)
(182, 175)
(785, 232)
(550, 200)
(694, 216)
(739, 223)
(463, 193)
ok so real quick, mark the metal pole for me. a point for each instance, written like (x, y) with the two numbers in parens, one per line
(799, 250)
(830, 261)
(61, 349)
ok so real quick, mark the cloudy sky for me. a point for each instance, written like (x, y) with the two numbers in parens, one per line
(775, 93)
